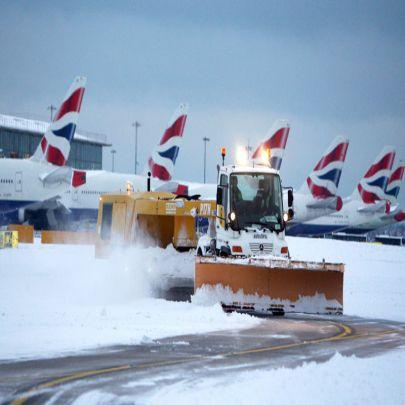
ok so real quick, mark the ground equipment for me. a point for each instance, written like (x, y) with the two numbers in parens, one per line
(157, 218)
(244, 262)
(8, 239)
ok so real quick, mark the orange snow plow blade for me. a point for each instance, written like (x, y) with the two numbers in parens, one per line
(271, 285)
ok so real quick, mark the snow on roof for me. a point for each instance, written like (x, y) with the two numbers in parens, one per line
(40, 127)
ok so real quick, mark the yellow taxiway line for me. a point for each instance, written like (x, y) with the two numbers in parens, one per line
(345, 332)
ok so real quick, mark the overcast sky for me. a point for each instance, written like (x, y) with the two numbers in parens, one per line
(331, 68)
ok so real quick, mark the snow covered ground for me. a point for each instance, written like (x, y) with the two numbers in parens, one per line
(374, 280)
(56, 298)
(341, 380)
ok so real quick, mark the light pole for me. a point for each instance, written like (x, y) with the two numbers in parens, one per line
(248, 149)
(113, 152)
(205, 139)
(136, 124)
(51, 108)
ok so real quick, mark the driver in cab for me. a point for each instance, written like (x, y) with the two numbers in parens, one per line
(263, 198)
(236, 193)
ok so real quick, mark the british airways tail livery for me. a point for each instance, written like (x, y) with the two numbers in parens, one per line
(276, 143)
(54, 147)
(161, 163)
(323, 182)
(372, 186)
(318, 195)
(367, 203)
(29, 185)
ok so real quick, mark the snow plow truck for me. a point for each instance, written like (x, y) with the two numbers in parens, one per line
(244, 261)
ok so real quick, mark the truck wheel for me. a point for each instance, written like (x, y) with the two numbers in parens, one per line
(225, 251)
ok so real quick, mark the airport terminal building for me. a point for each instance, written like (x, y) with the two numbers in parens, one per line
(19, 138)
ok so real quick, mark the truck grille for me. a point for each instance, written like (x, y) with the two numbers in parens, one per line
(261, 248)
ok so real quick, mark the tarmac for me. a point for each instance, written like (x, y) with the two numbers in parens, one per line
(128, 370)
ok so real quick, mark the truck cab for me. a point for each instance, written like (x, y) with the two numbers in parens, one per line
(250, 218)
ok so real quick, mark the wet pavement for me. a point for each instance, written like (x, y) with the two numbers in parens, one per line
(134, 370)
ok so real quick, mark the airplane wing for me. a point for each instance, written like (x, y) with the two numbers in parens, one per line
(49, 204)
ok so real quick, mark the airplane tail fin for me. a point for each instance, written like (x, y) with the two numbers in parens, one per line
(323, 181)
(161, 162)
(54, 147)
(276, 143)
(394, 184)
(372, 186)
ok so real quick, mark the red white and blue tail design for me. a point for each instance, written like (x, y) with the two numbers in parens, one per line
(276, 143)
(394, 184)
(55, 144)
(161, 163)
(323, 182)
(372, 186)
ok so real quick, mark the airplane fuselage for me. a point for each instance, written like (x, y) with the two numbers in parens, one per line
(21, 186)
(306, 208)
(352, 215)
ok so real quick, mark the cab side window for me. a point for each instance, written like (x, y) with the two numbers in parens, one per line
(223, 182)
(106, 221)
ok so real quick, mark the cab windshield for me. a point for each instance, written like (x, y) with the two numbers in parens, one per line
(256, 199)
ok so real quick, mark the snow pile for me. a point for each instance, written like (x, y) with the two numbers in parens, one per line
(58, 298)
(374, 279)
(345, 380)
(67, 274)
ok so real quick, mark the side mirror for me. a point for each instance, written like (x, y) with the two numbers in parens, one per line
(219, 195)
(290, 199)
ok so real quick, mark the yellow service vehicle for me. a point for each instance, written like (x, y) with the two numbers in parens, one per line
(8, 239)
(159, 218)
